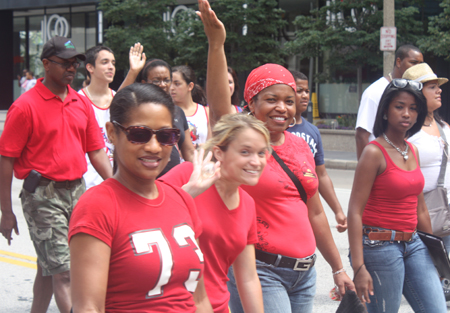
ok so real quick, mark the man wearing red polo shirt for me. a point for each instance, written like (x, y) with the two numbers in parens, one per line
(47, 133)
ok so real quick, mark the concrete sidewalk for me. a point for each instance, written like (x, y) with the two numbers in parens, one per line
(340, 160)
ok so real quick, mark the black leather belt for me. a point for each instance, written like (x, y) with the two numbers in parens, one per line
(68, 184)
(279, 260)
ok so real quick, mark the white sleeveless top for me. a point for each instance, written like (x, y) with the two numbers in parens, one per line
(102, 116)
(430, 153)
(198, 125)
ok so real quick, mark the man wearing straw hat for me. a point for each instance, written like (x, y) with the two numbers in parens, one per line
(405, 57)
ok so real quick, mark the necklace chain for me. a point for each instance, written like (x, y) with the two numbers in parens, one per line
(429, 124)
(403, 153)
(89, 94)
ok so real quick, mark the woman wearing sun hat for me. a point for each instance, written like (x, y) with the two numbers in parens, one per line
(428, 140)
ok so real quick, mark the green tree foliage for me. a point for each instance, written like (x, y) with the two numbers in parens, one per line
(347, 34)
(132, 21)
(438, 39)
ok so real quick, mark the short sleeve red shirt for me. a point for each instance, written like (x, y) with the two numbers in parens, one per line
(155, 262)
(282, 217)
(49, 135)
(225, 233)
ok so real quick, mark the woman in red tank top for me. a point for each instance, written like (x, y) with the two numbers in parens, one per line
(387, 206)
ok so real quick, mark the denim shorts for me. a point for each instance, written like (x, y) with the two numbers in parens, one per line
(47, 212)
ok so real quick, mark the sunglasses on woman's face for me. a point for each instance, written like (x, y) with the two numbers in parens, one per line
(143, 134)
(402, 83)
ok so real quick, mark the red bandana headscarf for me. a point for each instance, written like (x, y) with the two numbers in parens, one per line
(265, 76)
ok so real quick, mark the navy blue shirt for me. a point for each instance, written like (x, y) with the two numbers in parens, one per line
(310, 133)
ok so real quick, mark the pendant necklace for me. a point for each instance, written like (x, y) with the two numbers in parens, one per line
(403, 153)
(429, 124)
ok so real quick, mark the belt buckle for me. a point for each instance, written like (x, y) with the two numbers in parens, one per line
(368, 230)
(306, 264)
(412, 235)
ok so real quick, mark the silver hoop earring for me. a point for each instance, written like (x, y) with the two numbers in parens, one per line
(293, 124)
(385, 117)
(250, 113)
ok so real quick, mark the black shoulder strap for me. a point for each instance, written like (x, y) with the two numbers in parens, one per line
(292, 176)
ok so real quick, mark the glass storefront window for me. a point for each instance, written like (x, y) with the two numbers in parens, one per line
(35, 45)
(29, 35)
(19, 48)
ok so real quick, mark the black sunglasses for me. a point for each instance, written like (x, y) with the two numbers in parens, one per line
(402, 83)
(143, 134)
(67, 65)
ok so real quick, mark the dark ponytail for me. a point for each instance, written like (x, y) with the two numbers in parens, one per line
(188, 75)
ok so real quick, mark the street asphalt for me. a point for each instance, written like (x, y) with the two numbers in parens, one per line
(17, 262)
(18, 268)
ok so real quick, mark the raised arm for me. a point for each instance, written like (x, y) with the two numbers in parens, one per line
(137, 62)
(217, 89)
(204, 175)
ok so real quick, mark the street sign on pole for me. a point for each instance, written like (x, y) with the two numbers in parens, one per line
(388, 38)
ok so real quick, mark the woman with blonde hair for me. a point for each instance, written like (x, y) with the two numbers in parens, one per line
(240, 143)
(290, 221)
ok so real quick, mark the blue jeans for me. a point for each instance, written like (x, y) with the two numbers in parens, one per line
(284, 290)
(402, 267)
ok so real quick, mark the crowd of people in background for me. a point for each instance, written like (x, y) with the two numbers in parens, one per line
(165, 197)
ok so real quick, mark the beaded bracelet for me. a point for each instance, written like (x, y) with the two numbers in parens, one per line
(338, 272)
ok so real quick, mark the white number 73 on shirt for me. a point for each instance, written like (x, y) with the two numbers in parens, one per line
(143, 242)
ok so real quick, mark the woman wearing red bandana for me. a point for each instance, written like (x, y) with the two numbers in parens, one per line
(289, 228)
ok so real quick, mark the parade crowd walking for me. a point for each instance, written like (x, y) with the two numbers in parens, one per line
(164, 196)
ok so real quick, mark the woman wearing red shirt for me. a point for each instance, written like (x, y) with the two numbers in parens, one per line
(289, 228)
(387, 205)
(132, 238)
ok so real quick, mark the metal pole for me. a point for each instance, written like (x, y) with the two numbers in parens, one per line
(388, 20)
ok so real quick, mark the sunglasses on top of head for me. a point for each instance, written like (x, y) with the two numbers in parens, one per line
(402, 83)
(143, 134)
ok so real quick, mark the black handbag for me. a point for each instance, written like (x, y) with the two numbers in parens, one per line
(436, 199)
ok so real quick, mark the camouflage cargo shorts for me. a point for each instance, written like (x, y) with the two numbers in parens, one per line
(47, 212)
